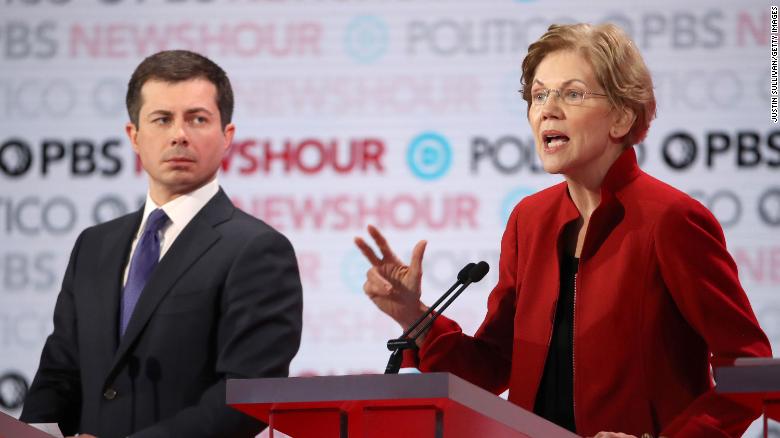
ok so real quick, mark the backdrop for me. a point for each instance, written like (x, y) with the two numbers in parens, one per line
(400, 113)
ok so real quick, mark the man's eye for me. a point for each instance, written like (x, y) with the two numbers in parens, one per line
(160, 120)
(199, 120)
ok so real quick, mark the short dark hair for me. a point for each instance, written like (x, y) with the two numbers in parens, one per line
(176, 66)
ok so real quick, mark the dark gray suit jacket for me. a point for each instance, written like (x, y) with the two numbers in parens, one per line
(224, 302)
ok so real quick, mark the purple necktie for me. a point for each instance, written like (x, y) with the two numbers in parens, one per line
(145, 258)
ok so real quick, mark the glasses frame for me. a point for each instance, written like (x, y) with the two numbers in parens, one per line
(558, 91)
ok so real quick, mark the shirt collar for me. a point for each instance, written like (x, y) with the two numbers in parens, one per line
(181, 210)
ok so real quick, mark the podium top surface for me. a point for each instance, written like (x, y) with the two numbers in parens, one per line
(355, 387)
(379, 388)
(746, 375)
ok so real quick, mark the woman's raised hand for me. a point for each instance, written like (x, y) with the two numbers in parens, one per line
(392, 285)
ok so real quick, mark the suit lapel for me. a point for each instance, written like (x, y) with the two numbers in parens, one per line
(195, 239)
(114, 251)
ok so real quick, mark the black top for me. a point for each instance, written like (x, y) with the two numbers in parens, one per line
(555, 398)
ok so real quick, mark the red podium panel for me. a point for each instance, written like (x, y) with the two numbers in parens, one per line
(430, 405)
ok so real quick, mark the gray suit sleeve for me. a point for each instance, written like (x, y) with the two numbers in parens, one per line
(55, 394)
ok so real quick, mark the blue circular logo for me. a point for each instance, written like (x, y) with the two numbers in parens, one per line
(429, 156)
(511, 199)
(366, 38)
(353, 270)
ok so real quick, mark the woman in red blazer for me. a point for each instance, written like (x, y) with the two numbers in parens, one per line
(616, 291)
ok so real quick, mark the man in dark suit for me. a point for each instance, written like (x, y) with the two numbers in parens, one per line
(160, 306)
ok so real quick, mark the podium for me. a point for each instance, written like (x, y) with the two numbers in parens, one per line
(430, 405)
(10, 427)
(754, 382)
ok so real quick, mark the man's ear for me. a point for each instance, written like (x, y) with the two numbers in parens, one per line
(229, 132)
(132, 133)
(622, 125)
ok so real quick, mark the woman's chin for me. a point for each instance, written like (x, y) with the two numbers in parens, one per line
(552, 167)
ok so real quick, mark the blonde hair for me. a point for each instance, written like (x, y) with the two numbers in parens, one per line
(616, 62)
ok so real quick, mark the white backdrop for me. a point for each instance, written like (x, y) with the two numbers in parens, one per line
(400, 113)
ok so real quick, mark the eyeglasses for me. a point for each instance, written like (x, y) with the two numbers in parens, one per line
(569, 96)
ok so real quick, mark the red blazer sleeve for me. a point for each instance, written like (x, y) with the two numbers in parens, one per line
(484, 359)
(702, 278)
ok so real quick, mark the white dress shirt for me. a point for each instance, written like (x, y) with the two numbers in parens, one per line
(180, 211)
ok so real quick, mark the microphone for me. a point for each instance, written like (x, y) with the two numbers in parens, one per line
(471, 273)
(463, 277)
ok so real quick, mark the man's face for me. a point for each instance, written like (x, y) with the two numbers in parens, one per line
(179, 137)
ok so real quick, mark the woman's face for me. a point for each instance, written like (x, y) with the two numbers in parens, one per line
(573, 140)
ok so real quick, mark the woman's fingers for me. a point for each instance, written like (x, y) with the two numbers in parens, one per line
(376, 284)
(381, 243)
(367, 251)
(415, 265)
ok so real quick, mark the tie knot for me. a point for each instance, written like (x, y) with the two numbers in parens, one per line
(157, 219)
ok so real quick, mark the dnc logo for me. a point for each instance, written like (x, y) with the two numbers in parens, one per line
(366, 38)
(429, 156)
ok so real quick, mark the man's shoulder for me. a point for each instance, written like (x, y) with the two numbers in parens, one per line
(250, 223)
(243, 226)
(132, 219)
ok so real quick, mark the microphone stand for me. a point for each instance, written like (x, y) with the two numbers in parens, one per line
(471, 273)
